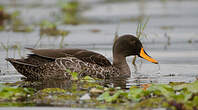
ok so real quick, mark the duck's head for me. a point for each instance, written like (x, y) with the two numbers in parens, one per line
(128, 45)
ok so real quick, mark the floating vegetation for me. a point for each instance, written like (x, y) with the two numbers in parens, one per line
(71, 6)
(87, 92)
(3, 17)
(63, 96)
(179, 97)
(50, 29)
(74, 75)
(70, 19)
(70, 12)
(19, 26)
(15, 96)
(190, 41)
(16, 23)
(55, 96)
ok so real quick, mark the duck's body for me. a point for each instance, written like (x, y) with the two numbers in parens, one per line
(37, 67)
(55, 63)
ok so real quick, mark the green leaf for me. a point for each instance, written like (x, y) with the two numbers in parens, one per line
(193, 87)
(15, 14)
(180, 87)
(115, 96)
(181, 97)
(135, 94)
(74, 75)
(103, 96)
(161, 89)
(108, 98)
(47, 24)
(89, 79)
(195, 101)
(14, 93)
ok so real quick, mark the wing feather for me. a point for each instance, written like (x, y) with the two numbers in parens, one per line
(82, 54)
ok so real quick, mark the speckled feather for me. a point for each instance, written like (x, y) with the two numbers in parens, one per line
(58, 69)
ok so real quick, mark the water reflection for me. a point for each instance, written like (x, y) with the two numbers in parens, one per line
(79, 84)
(122, 82)
(63, 84)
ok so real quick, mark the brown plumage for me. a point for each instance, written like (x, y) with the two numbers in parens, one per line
(55, 63)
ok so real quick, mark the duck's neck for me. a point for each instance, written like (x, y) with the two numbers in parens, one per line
(121, 63)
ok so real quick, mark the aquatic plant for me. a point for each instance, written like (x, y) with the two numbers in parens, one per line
(16, 24)
(70, 12)
(19, 26)
(180, 97)
(6, 47)
(3, 17)
(70, 19)
(71, 6)
(74, 75)
(140, 32)
(116, 33)
(50, 29)
(14, 94)
(87, 92)
(140, 28)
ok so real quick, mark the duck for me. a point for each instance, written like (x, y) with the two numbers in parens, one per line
(45, 64)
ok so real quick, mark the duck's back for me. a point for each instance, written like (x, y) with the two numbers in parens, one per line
(45, 55)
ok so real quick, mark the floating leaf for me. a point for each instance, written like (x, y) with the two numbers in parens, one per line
(103, 96)
(180, 87)
(74, 75)
(53, 90)
(161, 89)
(47, 24)
(195, 101)
(14, 93)
(116, 97)
(89, 79)
(193, 87)
(136, 94)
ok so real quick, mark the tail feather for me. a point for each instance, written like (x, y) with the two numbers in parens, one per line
(18, 61)
(31, 49)
(28, 70)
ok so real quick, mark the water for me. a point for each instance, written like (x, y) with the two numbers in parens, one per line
(171, 36)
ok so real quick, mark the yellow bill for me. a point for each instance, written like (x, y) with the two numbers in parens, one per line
(144, 55)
